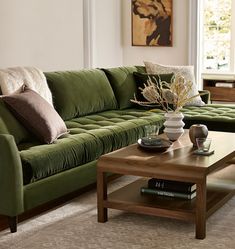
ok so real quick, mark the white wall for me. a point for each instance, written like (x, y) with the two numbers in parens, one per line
(176, 55)
(44, 33)
(107, 34)
(49, 34)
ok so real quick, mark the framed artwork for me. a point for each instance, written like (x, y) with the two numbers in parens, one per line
(152, 22)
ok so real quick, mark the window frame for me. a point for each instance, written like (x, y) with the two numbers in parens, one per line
(231, 68)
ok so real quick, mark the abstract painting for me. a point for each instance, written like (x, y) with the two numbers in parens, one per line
(152, 22)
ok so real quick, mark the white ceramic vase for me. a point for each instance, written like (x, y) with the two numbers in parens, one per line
(174, 125)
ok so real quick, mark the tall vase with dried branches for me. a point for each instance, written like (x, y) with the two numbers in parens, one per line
(171, 97)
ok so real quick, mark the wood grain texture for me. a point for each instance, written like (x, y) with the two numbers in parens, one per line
(177, 160)
(130, 199)
(101, 196)
(177, 163)
(221, 93)
(200, 217)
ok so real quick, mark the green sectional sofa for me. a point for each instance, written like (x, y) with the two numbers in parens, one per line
(96, 107)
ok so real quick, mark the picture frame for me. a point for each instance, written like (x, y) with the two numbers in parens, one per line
(152, 22)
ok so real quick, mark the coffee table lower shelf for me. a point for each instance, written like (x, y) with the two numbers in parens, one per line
(130, 199)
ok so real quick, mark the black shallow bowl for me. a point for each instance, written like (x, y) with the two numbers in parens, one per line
(165, 144)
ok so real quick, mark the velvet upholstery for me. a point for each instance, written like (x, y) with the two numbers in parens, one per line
(123, 84)
(100, 119)
(216, 117)
(58, 185)
(205, 96)
(89, 138)
(10, 125)
(78, 93)
(11, 180)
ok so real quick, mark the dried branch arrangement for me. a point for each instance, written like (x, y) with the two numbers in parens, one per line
(170, 96)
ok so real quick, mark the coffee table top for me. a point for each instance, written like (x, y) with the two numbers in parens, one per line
(177, 160)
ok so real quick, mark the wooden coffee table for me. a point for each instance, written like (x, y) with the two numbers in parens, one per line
(177, 163)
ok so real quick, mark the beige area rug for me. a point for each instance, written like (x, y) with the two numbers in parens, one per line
(74, 225)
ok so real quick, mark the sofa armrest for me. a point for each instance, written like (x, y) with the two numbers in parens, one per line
(206, 96)
(11, 177)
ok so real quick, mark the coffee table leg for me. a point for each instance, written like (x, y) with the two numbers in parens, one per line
(101, 196)
(201, 210)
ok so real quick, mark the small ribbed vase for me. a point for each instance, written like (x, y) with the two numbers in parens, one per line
(174, 125)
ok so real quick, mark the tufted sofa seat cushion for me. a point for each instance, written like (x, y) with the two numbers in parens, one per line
(90, 137)
(215, 117)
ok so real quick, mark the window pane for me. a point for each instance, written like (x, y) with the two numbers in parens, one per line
(217, 35)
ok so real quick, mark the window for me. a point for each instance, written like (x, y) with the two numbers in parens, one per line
(217, 49)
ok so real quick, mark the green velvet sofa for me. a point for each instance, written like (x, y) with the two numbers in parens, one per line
(96, 107)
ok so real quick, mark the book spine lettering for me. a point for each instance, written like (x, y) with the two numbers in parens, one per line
(165, 193)
(164, 185)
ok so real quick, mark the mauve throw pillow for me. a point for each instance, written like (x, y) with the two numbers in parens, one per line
(36, 114)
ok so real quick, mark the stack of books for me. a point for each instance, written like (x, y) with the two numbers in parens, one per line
(169, 188)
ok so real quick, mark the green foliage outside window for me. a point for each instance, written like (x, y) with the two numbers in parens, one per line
(217, 34)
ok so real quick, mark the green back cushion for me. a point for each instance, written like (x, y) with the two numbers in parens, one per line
(123, 84)
(141, 69)
(78, 93)
(10, 125)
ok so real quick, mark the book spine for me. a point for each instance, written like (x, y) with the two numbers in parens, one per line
(166, 185)
(165, 193)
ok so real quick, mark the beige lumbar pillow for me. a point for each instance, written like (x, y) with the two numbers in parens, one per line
(186, 71)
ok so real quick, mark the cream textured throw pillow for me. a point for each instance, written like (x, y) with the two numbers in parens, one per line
(186, 71)
(12, 80)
